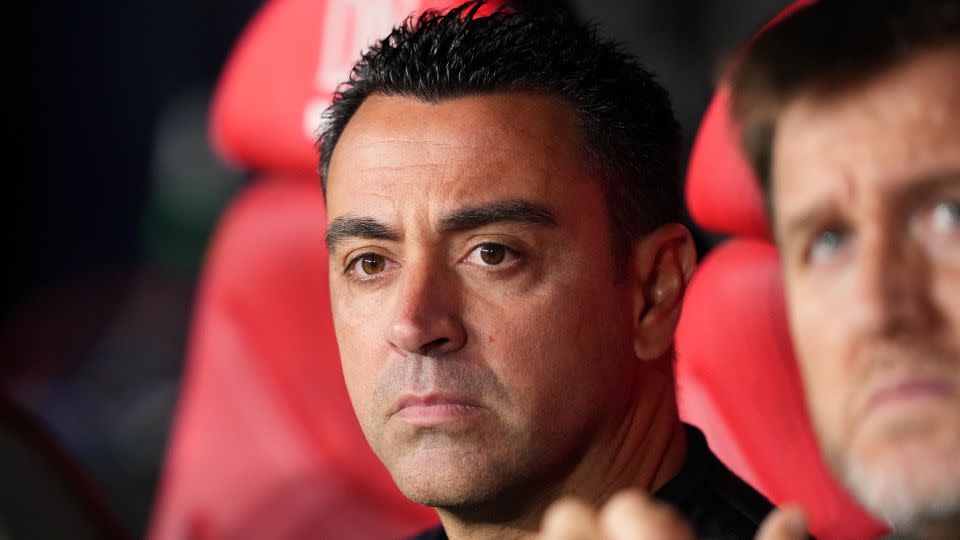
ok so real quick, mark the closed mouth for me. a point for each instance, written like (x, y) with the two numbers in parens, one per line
(434, 408)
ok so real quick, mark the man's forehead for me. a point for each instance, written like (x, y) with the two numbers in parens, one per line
(514, 145)
(375, 157)
(495, 120)
(876, 141)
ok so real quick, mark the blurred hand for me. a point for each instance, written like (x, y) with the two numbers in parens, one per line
(787, 523)
(632, 515)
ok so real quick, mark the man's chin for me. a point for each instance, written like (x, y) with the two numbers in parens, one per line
(906, 476)
(444, 493)
(446, 477)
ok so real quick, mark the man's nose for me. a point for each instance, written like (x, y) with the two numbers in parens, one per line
(893, 288)
(427, 317)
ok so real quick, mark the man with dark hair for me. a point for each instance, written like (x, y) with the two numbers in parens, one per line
(850, 113)
(507, 271)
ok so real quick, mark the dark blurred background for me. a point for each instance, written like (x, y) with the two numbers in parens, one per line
(116, 193)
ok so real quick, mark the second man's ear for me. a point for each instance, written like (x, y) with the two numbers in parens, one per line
(662, 264)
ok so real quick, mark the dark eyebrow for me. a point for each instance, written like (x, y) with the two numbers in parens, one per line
(507, 211)
(343, 228)
(905, 195)
(932, 184)
(809, 219)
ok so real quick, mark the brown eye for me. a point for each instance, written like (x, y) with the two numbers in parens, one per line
(371, 264)
(492, 254)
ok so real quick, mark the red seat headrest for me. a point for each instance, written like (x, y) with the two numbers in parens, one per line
(283, 73)
(722, 193)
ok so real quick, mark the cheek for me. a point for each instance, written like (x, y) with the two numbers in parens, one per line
(360, 342)
(555, 350)
(821, 338)
(946, 291)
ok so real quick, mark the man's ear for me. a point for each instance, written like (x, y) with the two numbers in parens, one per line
(662, 264)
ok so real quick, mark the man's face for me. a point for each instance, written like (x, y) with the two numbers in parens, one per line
(484, 340)
(867, 215)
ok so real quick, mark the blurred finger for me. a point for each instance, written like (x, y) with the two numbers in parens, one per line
(787, 523)
(631, 515)
(570, 519)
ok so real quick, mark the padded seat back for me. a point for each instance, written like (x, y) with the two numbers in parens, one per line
(736, 374)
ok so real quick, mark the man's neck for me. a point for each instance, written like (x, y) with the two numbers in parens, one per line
(643, 448)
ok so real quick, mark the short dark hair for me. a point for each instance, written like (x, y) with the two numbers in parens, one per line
(827, 48)
(628, 128)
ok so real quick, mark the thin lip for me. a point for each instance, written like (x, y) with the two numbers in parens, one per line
(432, 398)
(884, 393)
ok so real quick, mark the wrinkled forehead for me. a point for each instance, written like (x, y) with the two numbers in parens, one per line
(516, 144)
(871, 141)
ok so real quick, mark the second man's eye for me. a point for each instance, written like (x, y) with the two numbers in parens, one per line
(946, 216)
(938, 227)
(826, 245)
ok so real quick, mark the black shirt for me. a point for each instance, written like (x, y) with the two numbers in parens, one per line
(716, 502)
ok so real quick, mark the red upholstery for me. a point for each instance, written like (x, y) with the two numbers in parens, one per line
(284, 70)
(736, 375)
(721, 193)
(738, 381)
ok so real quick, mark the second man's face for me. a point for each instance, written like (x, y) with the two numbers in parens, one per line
(483, 337)
(867, 215)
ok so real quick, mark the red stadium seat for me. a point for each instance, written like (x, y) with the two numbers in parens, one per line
(736, 375)
(265, 443)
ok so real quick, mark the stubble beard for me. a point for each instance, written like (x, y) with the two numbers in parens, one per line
(908, 487)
